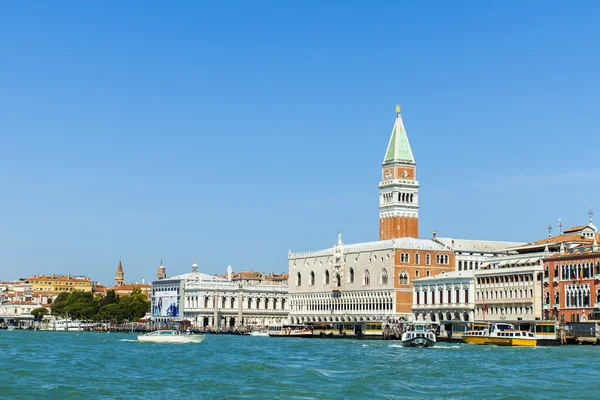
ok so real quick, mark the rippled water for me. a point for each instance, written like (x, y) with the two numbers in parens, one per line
(114, 366)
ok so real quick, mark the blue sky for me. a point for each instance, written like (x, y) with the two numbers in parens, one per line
(236, 131)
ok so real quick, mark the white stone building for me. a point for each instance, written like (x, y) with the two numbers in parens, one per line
(209, 301)
(471, 254)
(510, 288)
(444, 297)
(355, 282)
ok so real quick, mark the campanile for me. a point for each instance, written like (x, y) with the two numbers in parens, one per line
(399, 188)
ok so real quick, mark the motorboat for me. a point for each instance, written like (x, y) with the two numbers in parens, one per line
(500, 334)
(165, 336)
(290, 330)
(417, 335)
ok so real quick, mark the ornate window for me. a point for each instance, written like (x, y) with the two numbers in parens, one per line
(403, 278)
(351, 275)
(327, 277)
(298, 279)
(417, 259)
(384, 277)
(366, 278)
(427, 259)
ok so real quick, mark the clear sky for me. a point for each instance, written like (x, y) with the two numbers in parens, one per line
(235, 131)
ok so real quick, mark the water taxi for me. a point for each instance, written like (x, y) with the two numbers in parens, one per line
(500, 334)
(418, 335)
(170, 337)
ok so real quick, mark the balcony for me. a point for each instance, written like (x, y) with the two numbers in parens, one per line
(504, 301)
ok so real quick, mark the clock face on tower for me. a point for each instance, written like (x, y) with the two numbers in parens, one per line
(388, 174)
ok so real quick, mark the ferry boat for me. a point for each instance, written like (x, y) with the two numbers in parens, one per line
(165, 336)
(418, 335)
(500, 334)
(291, 331)
(369, 330)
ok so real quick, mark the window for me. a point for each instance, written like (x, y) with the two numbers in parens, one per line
(384, 277)
(298, 279)
(417, 259)
(326, 277)
(427, 273)
(312, 278)
(460, 265)
(366, 278)
(418, 298)
(416, 274)
(403, 278)
(338, 280)
(427, 259)
(351, 275)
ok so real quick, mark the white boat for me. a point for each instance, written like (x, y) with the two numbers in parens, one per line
(418, 335)
(62, 325)
(259, 333)
(171, 337)
(10, 328)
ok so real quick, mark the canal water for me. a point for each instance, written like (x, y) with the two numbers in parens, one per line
(69, 365)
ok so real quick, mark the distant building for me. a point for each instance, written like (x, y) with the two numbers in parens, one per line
(55, 284)
(209, 301)
(572, 276)
(254, 277)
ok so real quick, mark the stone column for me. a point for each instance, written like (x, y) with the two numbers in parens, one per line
(216, 310)
(240, 305)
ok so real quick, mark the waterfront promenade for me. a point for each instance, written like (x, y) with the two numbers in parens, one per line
(116, 366)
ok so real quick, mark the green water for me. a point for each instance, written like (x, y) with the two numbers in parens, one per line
(69, 365)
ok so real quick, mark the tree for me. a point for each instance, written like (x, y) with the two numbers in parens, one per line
(39, 313)
(59, 304)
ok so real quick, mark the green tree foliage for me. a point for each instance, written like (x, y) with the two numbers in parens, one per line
(84, 306)
(38, 313)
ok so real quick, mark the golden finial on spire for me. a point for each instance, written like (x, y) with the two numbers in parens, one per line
(397, 109)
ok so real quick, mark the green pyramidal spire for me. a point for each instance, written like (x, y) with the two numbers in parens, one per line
(398, 149)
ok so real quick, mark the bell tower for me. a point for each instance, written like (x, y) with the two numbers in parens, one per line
(119, 276)
(399, 188)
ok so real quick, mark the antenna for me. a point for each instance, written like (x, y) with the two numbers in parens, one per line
(549, 230)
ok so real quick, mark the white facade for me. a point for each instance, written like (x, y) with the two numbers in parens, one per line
(471, 254)
(510, 288)
(349, 282)
(211, 302)
(444, 297)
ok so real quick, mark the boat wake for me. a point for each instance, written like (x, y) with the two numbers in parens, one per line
(127, 340)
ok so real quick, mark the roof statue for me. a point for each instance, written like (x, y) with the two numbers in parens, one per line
(560, 226)
(339, 238)
(398, 149)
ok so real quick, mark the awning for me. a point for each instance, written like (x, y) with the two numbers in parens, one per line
(533, 260)
(503, 263)
(485, 265)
